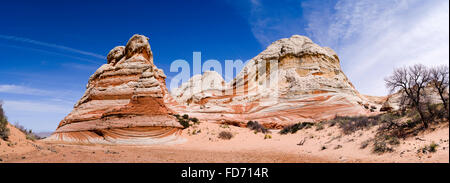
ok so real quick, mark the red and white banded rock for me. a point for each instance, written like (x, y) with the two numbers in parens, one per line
(307, 85)
(124, 102)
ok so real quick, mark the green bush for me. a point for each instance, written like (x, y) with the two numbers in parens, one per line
(185, 120)
(429, 148)
(184, 123)
(432, 147)
(4, 130)
(194, 120)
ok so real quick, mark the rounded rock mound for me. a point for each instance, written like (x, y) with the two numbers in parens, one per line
(123, 102)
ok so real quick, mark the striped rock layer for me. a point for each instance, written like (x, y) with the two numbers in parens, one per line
(292, 80)
(123, 103)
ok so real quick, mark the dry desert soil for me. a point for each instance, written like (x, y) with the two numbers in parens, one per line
(203, 145)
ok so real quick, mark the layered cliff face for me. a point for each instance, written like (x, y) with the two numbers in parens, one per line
(124, 102)
(292, 80)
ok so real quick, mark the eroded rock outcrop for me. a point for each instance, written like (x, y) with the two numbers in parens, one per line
(198, 87)
(398, 99)
(292, 80)
(124, 102)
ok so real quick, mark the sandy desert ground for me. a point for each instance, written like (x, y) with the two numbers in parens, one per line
(327, 145)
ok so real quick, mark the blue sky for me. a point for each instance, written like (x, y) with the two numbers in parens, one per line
(50, 48)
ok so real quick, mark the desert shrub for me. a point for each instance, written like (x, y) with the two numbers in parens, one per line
(428, 149)
(185, 120)
(391, 140)
(381, 147)
(184, 123)
(432, 147)
(296, 127)
(349, 124)
(4, 130)
(254, 125)
(352, 124)
(412, 126)
(195, 132)
(30, 135)
(319, 126)
(385, 143)
(225, 135)
(194, 120)
(366, 106)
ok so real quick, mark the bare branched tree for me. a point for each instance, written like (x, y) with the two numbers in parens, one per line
(439, 80)
(411, 81)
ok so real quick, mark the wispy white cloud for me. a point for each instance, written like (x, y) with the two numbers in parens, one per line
(39, 115)
(38, 109)
(16, 89)
(50, 52)
(373, 37)
(51, 45)
(370, 37)
(24, 90)
(80, 66)
(36, 106)
(269, 23)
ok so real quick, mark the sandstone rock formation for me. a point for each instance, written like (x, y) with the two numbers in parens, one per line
(292, 80)
(199, 87)
(124, 102)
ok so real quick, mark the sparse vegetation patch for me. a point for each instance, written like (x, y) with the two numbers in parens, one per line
(385, 143)
(225, 135)
(296, 127)
(185, 121)
(428, 149)
(4, 130)
(30, 135)
(254, 125)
